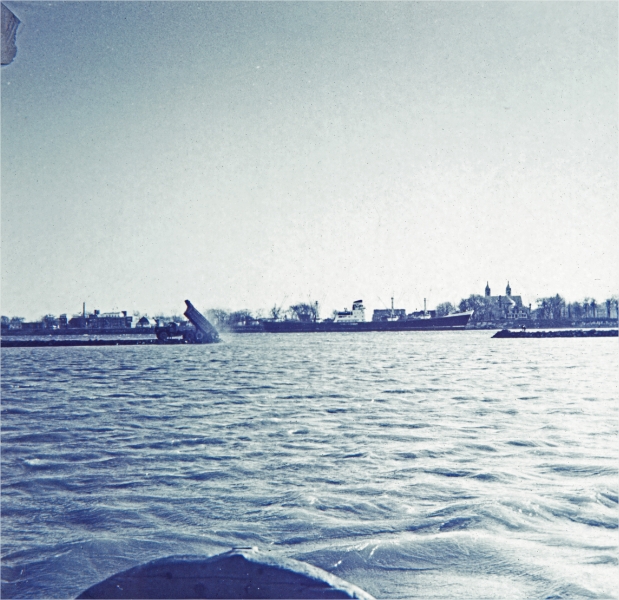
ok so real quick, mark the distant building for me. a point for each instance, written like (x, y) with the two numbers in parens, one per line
(96, 320)
(33, 326)
(16, 323)
(146, 322)
(499, 308)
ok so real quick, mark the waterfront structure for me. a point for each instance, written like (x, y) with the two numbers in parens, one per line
(96, 320)
(146, 322)
(504, 307)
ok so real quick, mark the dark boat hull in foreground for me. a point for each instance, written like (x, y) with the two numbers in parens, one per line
(455, 321)
(240, 573)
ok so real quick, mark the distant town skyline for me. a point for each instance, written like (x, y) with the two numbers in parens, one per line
(325, 312)
(242, 155)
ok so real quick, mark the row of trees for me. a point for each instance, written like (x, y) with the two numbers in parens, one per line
(12, 321)
(303, 311)
(444, 308)
(555, 307)
(549, 308)
(49, 321)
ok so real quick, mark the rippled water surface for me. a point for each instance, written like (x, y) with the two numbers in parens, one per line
(416, 465)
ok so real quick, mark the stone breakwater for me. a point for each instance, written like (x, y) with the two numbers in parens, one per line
(506, 333)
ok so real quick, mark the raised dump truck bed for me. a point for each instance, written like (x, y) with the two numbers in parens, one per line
(205, 332)
(199, 332)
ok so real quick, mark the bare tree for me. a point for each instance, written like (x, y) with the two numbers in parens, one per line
(586, 307)
(16, 322)
(593, 306)
(305, 311)
(49, 321)
(611, 303)
(479, 305)
(315, 310)
(444, 308)
(218, 316)
(576, 310)
(276, 312)
(240, 317)
(551, 307)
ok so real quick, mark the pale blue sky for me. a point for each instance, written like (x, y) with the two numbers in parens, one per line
(246, 154)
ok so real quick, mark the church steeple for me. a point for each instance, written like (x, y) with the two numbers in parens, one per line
(508, 290)
(487, 289)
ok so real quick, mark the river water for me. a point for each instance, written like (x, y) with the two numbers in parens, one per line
(413, 464)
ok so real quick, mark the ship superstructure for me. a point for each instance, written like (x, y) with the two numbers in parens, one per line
(356, 315)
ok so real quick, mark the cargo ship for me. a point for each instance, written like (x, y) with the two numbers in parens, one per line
(354, 320)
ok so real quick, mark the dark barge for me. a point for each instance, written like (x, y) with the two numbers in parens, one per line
(448, 322)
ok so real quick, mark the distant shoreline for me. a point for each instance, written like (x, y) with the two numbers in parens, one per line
(51, 341)
(599, 323)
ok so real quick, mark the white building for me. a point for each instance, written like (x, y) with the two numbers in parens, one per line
(356, 315)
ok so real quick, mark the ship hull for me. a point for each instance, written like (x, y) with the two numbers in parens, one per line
(449, 322)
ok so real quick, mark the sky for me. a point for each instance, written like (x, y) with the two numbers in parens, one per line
(247, 154)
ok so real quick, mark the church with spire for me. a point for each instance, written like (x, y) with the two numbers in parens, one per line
(505, 307)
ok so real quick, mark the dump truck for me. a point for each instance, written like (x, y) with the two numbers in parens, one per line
(199, 331)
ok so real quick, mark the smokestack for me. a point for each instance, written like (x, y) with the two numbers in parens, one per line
(84, 309)
(424, 306)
